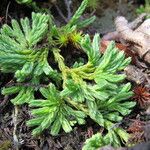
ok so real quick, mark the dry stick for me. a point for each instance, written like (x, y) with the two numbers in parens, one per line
(127, 33)
(137, 22)
(15, 138)
(6, 16)
(4, 103)
(60, 13)
(133, 25)
(68, 5)
(141, 40)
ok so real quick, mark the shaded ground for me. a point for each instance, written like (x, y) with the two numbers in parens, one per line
(109, 10)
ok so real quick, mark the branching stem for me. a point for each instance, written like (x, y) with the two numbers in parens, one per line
(78, 106)
(15, 138)
(77, 74)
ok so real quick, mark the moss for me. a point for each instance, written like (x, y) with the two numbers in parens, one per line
(5, 145)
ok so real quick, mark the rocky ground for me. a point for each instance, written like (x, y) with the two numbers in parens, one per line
(138, 73)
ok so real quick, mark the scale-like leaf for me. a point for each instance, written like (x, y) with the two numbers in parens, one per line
(56, 113)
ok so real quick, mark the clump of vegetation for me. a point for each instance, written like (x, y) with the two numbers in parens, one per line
(144, 8)
(97, 140)
(66, 93)
(94, 4)
(5, 145)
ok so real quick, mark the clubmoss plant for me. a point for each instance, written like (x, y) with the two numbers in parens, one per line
(111, 138)
(65, 94)
(30, 3)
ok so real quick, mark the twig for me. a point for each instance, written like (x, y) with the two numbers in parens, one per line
(7, 9)
(4, 103)
(68, 4)
(15, 138)
(139, 37)
(61, 14)
(137, 22)
(133, 25)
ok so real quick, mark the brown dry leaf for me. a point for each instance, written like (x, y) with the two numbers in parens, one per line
(136, 126)
(142, 96)
(137, 131)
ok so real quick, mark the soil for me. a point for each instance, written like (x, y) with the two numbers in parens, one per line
(106, 13)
